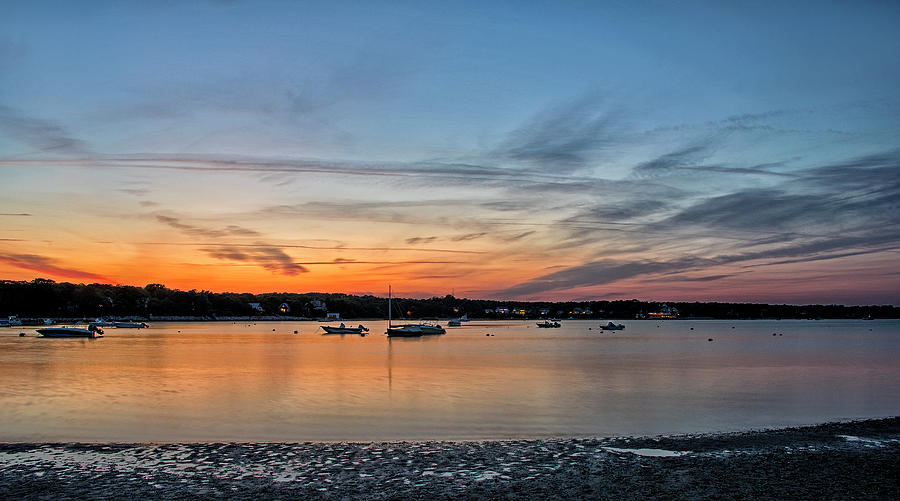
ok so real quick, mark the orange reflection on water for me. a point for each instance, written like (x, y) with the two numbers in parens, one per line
(239, 381)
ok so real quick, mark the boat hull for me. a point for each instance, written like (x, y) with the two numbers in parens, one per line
(130, 325)
(344, 330)
(404, 332)
(63, 332)
(426, 329)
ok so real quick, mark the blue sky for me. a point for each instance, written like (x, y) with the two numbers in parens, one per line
(577, 149)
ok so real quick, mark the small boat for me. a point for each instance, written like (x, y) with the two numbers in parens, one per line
(547, 324)
(404, 331)
(130, 325)
(427, 329)
(612, 327)
(345, 330)
(99, 322)
(456, 322)
(92, 331)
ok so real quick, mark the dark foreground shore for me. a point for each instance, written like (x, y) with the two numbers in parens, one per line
(856, 460)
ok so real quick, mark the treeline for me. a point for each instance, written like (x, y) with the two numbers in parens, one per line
(46, 298)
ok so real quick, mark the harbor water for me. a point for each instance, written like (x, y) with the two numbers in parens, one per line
(233, 381)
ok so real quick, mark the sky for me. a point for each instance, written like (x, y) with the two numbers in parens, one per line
(663, 151)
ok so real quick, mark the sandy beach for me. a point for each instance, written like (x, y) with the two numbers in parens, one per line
(849, 460)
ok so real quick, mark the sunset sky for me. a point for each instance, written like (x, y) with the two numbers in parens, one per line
(722, 151)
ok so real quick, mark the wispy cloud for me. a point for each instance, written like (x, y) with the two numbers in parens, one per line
(599, 273)
(518, 236)
(617, 211)
(665, 163)
(281, 104)
(343, 262)
(846, 196)
(468, 236)
(565, 138)
(689, 160)
(41, 134)
(423, 172)
(43, 264)
(608, 271)
(752, 211)
(193, 230)
(314, 247)
(828, 212)
(705, 278)
(769, 122)
(420, 240)
(268, 257)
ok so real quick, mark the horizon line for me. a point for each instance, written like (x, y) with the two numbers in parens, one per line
(360, 294)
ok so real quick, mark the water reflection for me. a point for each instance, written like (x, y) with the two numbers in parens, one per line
(222, 381)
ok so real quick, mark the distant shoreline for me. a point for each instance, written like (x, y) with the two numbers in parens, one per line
(37, 322)
(42, 298)
(844, 460)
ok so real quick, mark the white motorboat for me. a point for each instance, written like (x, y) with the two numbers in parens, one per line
(92, 332)
(404, 331)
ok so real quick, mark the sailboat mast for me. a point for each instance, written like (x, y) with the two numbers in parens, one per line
(389, 306)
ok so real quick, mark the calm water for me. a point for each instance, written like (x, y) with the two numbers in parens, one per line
(260, 382)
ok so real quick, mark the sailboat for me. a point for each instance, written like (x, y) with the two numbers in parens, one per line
(401, 330)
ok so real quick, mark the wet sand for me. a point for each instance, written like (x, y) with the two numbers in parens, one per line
(853, 460)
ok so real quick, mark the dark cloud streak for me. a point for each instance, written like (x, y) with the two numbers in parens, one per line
(834, 211)
(317, 247)
(189, 229)
(46, 265)
(41, 134)
(565, 138)
(268, 257)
